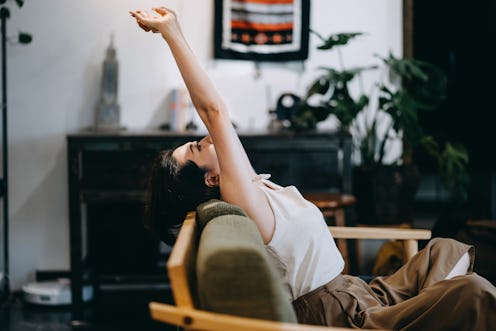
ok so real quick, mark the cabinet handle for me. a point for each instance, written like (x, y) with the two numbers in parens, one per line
(77, 165)
(340, 162)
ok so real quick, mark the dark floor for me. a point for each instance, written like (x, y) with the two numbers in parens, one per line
(16, 315)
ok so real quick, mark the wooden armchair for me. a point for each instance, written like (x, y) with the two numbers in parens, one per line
(181, 268)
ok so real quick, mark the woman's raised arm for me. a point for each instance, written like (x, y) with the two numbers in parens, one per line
(236, 172)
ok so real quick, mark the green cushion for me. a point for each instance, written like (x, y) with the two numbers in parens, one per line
(234, 272)
(209, 210)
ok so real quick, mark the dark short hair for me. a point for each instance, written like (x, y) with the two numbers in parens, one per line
(172, 191)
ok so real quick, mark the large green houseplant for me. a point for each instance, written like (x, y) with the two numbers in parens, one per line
(385, 188)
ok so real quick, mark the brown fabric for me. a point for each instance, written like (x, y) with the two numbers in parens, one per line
(416, 297)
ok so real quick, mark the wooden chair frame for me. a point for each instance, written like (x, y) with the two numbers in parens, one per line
(181, 270)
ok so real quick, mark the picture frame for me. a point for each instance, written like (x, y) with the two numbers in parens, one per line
(262, 30)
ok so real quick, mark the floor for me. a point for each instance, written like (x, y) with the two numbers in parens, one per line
(16, 315)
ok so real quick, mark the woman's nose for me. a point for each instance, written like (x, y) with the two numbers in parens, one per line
(206, 140)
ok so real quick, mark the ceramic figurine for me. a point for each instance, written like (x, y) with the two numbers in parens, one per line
(108, 110)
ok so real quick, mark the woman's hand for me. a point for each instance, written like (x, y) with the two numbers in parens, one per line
(165, 22)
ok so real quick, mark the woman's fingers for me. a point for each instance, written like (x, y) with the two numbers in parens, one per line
(143, 20)
(146, 21)
(139, 15)
(160, 10)
(140, 24)
(144, 27)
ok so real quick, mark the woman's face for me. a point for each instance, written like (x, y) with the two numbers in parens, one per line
(202, 153)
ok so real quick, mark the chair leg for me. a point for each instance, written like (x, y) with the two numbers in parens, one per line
(339, 218)
(411, 248)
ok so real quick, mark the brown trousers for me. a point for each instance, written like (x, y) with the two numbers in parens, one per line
(416, 297)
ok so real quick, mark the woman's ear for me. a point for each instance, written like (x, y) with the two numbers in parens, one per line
(212, 179)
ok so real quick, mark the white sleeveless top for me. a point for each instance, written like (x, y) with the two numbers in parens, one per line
(302, 247)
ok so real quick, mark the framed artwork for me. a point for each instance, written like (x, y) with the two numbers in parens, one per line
(261, 30)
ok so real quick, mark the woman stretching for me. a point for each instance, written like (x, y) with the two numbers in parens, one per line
(436, 289)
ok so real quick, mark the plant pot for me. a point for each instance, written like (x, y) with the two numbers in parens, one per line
(385, 194)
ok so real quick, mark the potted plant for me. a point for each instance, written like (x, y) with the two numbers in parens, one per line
(385, 187)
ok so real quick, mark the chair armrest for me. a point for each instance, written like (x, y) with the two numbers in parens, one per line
(344, 232)
(410, 237)
(193, 319)
(180, 265)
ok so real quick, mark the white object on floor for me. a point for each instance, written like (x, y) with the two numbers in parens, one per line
(53, 293)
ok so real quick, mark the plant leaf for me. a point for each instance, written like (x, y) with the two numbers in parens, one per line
(425, 82)
(344, 107)
(319, 86)
(453, 163)
(337, 39)
(343, 76)
(406, 68)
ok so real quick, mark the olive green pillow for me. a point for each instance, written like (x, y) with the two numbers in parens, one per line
(234, 273)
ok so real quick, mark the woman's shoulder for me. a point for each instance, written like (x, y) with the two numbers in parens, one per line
(262, 180)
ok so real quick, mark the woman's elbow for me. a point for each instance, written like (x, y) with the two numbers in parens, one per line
(212, 112)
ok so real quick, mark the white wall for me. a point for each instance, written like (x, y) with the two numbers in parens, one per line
(54, 84)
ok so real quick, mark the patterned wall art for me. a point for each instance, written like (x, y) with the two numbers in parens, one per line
(262, 30)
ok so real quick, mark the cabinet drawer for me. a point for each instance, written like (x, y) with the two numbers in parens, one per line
(316, 171)
(309, 171)
(310, 162)
(115, 170)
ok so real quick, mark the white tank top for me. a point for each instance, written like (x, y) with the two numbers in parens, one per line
(302, 247)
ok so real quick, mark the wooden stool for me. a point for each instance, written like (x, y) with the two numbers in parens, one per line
(332, 206)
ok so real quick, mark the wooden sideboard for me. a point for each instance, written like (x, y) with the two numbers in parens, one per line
(107, 178)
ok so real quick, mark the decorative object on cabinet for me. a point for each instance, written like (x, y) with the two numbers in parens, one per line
(271, 30)
(108, 109)
(286, 105)
(180, 110)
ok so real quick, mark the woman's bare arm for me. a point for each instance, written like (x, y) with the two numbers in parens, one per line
(235, 167)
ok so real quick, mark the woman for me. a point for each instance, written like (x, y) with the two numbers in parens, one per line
(435, 290)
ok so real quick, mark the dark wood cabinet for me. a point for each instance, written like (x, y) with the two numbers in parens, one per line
(107, 178)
